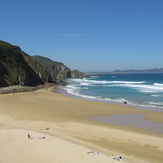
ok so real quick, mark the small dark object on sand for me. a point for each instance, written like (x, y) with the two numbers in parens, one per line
(119, 158)
(29, 136)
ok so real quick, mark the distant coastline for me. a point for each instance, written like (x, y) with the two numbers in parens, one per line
(132, 71)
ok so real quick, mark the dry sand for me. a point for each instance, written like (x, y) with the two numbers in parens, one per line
(72, 131)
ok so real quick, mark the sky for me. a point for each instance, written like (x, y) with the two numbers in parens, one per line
(88, 35)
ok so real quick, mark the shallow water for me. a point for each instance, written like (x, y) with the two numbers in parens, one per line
(132, 120)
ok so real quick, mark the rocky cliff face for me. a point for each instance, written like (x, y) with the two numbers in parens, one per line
(78, 74)
(53, 67)
(58, 70)
(16, 67)
(64, 74)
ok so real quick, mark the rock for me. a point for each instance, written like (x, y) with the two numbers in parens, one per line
(58, 70)
(78, 74)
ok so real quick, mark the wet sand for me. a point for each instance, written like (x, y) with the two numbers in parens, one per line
(72, 120)
(132, 120)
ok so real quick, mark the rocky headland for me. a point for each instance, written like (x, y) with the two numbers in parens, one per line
(26, 73)
(58, 70)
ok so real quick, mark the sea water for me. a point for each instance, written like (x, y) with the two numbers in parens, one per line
(144, 90)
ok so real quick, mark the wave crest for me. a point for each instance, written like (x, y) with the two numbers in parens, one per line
(158, 84)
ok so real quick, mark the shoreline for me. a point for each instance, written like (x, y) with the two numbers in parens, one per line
(132, 120)
(71, 119)
(63, 91)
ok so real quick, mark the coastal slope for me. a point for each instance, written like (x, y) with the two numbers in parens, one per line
(18, 68)
(58, 70)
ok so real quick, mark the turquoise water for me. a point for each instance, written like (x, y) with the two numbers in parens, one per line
(137, 89)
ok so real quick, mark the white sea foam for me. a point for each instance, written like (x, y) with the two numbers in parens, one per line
(158, 84)
(120, 100)
(128, 82)
(140, 86)
(84, 85)
(71, 89)
(85, 88)
(151, 88)
(78, 80)
(85, 80)
(75, 91)
(159, 104)
(156, 95)
(143, 88)
(89, 82)
(94, 76)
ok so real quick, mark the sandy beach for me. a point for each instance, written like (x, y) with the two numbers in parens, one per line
(63, 130)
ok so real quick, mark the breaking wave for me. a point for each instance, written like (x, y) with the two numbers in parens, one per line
(140, 91)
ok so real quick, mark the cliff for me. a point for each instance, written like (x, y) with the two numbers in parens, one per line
(52, 67)
(78, 74)
(58, 70)
(18, 68)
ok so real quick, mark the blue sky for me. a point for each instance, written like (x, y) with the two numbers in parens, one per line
(88, 35)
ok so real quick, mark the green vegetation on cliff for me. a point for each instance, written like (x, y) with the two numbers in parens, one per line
(16, 67)
(45, 61)
(58, 70)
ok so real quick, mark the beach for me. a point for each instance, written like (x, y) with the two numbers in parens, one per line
(63, 130)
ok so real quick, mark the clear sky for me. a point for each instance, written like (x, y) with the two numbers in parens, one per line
(88, 35)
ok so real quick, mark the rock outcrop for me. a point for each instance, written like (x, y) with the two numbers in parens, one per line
(58, 70)
(53, 67)
(78, 74)
(64, 74)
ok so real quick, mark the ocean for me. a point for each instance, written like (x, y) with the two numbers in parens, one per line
(139, 90)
